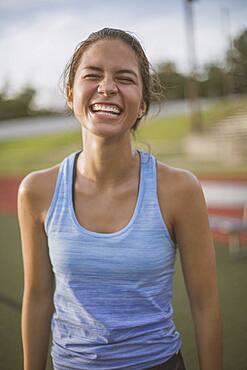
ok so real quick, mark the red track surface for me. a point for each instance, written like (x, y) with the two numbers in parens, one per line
(8, 204)
(8, 194)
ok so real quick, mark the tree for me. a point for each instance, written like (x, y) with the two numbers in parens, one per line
(17, 106)
(215, 81)
(26, 96)
(20, 105)
(172, 81)
(237, 62)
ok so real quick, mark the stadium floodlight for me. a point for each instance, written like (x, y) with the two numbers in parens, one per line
(192, 84)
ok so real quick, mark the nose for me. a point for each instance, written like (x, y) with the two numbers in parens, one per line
(107, 86)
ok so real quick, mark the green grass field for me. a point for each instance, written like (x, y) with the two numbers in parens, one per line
(232, 287)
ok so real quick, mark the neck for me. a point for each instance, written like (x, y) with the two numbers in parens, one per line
(107, 163)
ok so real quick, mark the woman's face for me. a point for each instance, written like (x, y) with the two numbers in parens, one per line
(107, 93)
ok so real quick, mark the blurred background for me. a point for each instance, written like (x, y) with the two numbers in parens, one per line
(199, 51)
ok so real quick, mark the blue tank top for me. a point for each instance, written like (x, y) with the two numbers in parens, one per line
(113, 291)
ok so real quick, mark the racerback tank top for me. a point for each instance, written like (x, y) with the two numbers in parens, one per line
(113, 291)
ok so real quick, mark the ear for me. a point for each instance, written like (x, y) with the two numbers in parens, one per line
(142, 109)
(70, 97)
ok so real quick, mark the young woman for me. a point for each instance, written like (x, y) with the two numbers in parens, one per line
(100, 233)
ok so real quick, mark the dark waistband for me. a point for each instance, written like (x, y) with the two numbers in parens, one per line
(176, 362)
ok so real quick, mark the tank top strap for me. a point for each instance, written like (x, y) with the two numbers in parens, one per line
(63, 191)
(149, 163)
(150, 204)
(67, 172)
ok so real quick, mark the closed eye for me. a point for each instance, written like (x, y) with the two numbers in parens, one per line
(125, 79)
(92, 76)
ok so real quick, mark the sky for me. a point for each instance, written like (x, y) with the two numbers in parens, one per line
(37, 37)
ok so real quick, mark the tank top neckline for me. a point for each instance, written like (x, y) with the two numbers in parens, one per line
(84, 230)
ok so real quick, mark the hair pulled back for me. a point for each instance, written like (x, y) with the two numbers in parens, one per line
(108, 34)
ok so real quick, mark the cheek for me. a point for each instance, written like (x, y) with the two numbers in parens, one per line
(82, 95)
(136, 104)
(134, 97)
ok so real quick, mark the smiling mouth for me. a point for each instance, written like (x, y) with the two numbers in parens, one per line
(105, 109)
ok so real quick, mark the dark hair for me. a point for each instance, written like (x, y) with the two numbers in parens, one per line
(149, 94)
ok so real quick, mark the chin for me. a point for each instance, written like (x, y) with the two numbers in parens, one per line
(103, 130)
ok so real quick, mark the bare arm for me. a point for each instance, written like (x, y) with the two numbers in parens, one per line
(199, 268)
(37, 306)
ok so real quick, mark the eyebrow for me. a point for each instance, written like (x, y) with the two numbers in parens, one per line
(129, 71)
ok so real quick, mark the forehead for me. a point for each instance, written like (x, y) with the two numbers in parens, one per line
(113, 54)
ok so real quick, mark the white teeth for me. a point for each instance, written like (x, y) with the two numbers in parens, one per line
(105, 108)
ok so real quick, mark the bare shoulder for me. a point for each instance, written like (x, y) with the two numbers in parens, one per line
(36, 190)
(178, 189)
(177, 181)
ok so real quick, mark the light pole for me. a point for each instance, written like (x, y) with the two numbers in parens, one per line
(192, 90)
(228, 82)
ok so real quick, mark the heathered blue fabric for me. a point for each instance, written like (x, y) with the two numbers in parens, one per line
(113, 290)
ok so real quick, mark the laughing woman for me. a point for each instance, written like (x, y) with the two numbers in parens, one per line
(100, 233)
